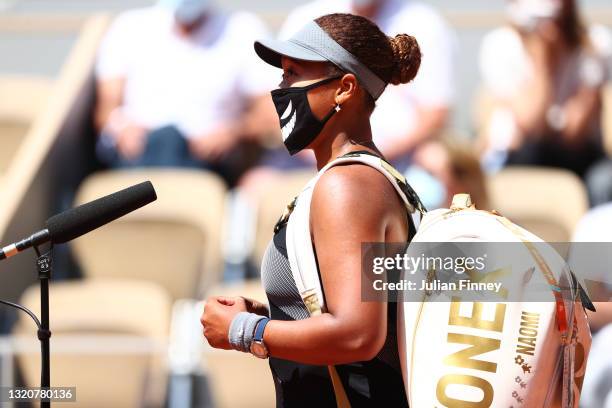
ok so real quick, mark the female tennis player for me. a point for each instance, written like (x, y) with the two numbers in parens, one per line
(334, 69)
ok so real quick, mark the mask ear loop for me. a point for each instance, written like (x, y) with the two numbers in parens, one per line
(333, 110)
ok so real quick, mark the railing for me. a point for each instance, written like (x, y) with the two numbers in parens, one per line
(50, 158)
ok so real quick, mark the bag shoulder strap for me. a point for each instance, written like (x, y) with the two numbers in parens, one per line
(300, 249)
(408, 193)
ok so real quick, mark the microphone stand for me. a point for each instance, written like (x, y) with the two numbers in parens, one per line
(44, 266)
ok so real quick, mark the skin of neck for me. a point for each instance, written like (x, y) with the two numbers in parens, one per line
(346, 131)
(186, 30)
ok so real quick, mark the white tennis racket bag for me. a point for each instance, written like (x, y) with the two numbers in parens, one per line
(468, 354)
(495, 353)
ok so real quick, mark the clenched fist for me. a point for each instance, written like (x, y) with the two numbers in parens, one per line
(217, 316)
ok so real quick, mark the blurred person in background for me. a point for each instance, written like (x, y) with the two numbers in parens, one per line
(592, 231)
(599, 183)
(545, 72)
(405, 115)
(443, 167)
(177, 85)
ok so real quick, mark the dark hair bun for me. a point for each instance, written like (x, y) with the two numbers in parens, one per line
(406, 58)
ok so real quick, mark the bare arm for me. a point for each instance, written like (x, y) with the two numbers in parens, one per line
(128, 135)
(431, 121)
(109, 97)
(530, 107)
(530, 103)
(256, 123)
(260, 120)
(579, 111)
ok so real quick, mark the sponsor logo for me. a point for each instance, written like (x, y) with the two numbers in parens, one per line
(468, 357)
(288, 128)
(528, 333)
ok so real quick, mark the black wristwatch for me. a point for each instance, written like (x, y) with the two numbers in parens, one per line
(258, 348)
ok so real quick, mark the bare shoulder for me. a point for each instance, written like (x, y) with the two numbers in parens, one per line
(353, 187)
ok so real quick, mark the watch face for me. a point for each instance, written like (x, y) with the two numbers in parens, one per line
(258, 349)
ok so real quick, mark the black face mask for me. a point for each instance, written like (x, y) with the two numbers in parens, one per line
(299, 126)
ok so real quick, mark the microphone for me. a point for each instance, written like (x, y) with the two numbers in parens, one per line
(80, 220)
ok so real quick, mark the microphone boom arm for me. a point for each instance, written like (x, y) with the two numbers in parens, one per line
(36, 239)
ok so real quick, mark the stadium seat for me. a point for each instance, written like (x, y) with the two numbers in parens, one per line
(239, 380)
(607, 118)
(548, 202)
(273, 200)
(174, 241)
(21, 99)
(108, 340)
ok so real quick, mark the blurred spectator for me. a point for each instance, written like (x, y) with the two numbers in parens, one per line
(422, 105)
(597, 387)
(545, 72)
(180, 85)
(444, 167)
(590, 229)
(599, 183)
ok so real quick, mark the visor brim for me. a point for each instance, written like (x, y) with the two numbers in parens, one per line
(272, 51)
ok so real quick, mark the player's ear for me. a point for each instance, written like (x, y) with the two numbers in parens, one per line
(347, 89)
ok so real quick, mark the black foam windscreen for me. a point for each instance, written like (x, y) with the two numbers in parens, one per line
(80, 220)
